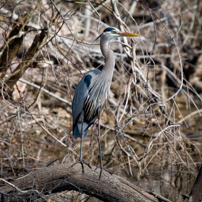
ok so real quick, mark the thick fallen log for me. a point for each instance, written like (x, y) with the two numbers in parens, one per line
(64, 177)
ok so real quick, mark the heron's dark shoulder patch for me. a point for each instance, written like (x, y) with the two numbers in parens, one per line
(87, 80)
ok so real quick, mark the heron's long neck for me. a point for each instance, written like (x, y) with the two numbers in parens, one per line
(109, 59)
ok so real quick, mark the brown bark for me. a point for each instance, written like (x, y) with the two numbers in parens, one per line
(11, 47)
(64, 177)
(27, 60)
(196, 192)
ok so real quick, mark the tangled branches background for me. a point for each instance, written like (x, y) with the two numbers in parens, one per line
(151, 124)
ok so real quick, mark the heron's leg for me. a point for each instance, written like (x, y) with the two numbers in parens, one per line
(81, 161)
(98, 138)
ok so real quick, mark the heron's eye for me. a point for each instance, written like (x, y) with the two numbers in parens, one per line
(113, 32)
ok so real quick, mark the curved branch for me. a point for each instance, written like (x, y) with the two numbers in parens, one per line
(64, 177)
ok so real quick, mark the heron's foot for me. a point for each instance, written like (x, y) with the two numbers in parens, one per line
(82, 162)
(101, 169)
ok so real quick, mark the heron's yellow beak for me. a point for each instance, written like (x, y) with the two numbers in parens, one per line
(128, 34)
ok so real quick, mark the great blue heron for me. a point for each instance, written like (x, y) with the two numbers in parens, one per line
(93, 90)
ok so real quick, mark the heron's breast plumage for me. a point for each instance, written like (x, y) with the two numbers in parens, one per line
(97, 94)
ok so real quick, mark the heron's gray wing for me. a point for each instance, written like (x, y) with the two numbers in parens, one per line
(80, 99)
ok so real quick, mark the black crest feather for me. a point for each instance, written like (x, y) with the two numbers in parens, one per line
(109, 29)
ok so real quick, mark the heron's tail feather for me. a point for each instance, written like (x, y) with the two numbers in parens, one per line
(77, 133)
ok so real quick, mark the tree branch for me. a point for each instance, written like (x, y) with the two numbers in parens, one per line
(28, 59)
(64, 177)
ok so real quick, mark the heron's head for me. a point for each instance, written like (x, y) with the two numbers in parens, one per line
(112, 32)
